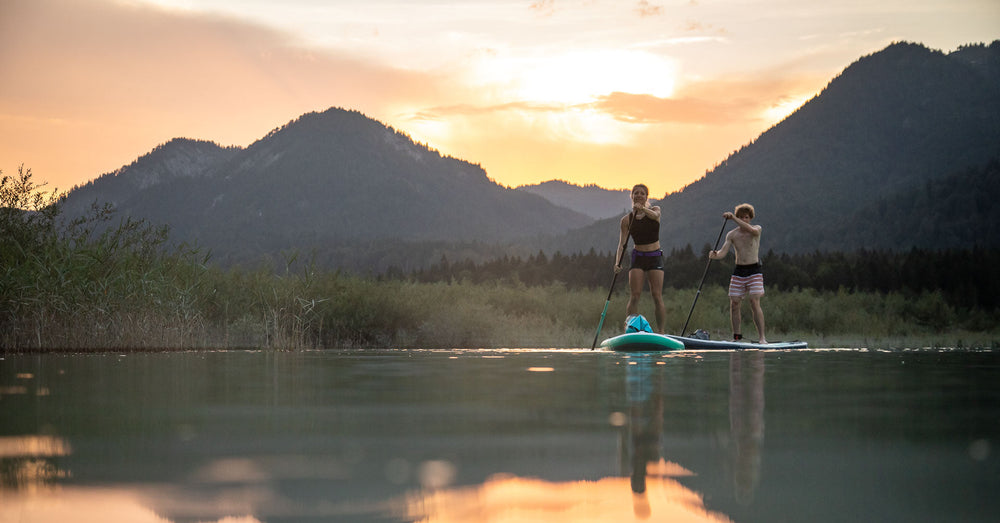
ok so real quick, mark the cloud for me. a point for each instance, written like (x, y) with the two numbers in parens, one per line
(646, 9)
(543, 7)
(463, 110)
(62, 53)
(647, 109)
(712, 102)
(694, 26)
(624, 107)
(89, 86)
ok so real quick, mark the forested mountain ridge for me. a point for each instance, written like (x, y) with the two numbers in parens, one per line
(325, 181)
(888, 124)
(591, 200)
(178, 158)
(954, 212)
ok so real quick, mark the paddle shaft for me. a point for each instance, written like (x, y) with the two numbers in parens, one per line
(618, 255)
(709, 264)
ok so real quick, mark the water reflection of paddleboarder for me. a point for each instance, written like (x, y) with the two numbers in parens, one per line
(746, 420)
(645, 426)
(641, 442)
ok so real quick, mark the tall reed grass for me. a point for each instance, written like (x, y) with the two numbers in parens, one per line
(236, 309)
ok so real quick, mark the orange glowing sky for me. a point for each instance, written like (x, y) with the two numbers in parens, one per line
(612, 92)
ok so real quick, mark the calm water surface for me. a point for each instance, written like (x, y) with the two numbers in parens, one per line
(504, 435)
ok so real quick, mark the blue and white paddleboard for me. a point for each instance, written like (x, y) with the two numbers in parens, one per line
(699, 344)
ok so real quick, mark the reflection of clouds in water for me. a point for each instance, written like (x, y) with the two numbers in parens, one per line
(225, 490)
(28, 462)
(501, 498)
(33, 446)
(510, 498)
(233, 470)
(436, 474)
(88, 505)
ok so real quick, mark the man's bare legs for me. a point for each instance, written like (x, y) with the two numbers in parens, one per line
(734, 316)
(736, 319)
(758, 317)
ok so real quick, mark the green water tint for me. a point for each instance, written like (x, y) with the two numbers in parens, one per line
(270, 436)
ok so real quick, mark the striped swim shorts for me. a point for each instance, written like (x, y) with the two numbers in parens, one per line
(746, 280)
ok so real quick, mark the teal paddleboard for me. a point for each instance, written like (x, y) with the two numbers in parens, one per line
(642, 342)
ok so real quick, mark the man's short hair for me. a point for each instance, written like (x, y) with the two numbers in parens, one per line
(744, 207)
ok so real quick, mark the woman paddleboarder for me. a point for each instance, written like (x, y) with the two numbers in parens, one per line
(643, 224)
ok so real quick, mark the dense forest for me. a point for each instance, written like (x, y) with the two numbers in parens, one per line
(960, 275)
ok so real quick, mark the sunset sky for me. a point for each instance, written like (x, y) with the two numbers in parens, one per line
(612, 92)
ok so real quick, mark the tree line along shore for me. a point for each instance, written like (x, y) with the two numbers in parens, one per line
(85, 286)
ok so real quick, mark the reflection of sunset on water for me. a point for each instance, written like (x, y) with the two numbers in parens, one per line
(511, 498)
(88, 505)
(30, 494)
(26, 463)
(502, 498)
(498, 436)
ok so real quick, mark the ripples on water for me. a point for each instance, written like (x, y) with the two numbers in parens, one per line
(500, 435)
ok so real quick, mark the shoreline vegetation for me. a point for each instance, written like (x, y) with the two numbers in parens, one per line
(88, 286)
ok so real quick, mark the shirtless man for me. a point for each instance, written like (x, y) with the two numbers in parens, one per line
(747, 278)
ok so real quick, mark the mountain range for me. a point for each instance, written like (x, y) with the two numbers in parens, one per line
(845, 169)
(898, 151)
(335, 182)
(591, 200)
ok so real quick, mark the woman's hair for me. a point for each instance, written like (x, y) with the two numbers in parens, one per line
(744, 207)
(641, 186)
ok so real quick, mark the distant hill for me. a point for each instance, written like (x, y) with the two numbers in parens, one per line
(335, 182)
(591, 200)
(900, 121)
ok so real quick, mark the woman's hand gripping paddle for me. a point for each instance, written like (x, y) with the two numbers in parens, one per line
(684, 329)
(619, 255)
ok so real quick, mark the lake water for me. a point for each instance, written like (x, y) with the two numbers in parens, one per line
(500, 435)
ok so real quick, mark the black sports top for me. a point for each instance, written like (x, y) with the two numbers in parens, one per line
(645, 231)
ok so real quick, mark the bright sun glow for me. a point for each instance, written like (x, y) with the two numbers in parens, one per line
(180, 5)
(553, 93)
(780, 111)
(431, 132)
(578, 77)
(588, 126)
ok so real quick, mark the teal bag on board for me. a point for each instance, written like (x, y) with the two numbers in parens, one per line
(637, 323)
